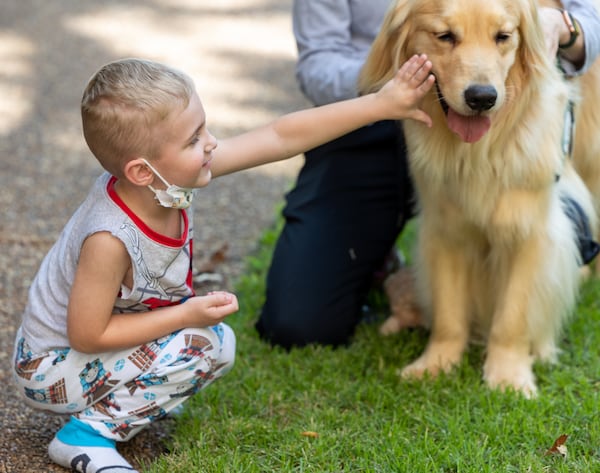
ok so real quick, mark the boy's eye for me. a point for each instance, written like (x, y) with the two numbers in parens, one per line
(194, 140)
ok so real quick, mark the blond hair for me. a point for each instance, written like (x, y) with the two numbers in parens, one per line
(123, 105)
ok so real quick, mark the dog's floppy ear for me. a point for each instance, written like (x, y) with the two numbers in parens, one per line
(388, 51)
(533, 57)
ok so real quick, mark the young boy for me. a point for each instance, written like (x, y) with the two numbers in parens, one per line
(113, 333)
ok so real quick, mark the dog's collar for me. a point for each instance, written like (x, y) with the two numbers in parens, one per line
(568, 135)
(568, 130)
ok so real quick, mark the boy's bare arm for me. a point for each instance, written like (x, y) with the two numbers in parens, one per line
(91, 325)
(300, 131)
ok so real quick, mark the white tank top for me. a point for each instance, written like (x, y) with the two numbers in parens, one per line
(162, 266)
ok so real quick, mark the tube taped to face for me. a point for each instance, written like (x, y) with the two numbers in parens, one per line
(173, 197)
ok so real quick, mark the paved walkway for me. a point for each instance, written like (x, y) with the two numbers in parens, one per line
(241, 54)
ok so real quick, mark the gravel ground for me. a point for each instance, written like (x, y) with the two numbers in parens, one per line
(241, 54)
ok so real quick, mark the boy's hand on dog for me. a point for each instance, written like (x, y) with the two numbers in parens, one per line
(409, 85)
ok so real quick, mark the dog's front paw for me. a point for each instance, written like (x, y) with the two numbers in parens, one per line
(432, 363)
(511, 372)
(417, 369)
(399, 320)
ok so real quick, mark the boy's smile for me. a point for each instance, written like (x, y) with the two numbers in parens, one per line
(186, 153)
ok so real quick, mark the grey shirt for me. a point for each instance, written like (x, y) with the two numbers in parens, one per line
(588, 18)
(334, 38)
(161, 266)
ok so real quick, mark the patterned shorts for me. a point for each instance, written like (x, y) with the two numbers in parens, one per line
(120, 393)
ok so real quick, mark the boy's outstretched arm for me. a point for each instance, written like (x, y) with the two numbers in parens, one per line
(300, 131)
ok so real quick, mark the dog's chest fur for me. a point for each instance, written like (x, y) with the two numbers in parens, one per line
(499, 184)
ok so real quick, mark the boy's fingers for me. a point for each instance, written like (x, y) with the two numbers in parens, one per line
(415, 69)
(409, 68)
(426, 84)
(405, 69)
(421, 116)
(221, 298)
(424, 70)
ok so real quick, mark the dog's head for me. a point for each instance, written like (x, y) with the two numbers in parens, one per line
(483, 52)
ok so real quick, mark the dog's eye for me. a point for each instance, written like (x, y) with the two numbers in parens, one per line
(502, 37)
(446, 37)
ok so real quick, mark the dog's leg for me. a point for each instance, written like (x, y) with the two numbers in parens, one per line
(448, 273)
(509, 360)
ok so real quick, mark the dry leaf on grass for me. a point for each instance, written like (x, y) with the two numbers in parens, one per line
(209, 265)
(206, 271)
(558, 447)
(310, 433)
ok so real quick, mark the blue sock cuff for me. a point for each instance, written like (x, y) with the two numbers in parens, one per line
(80, 434)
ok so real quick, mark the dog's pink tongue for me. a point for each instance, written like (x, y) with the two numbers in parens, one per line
(470, 129)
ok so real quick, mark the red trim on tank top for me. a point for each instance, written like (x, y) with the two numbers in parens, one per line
(157, 237)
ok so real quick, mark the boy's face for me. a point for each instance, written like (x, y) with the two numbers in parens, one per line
(187, 148)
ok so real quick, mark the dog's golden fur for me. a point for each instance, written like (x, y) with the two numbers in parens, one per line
(497, 256)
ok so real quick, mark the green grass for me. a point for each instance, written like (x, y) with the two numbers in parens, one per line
(368, 420)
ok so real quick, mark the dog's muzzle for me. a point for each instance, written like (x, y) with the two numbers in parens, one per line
(480, 98)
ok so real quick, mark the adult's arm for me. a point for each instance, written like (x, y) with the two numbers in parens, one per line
(588, 17)
(333, 39)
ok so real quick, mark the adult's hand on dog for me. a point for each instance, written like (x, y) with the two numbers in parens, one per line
(556, 32)
(408, 87)
(553, 25)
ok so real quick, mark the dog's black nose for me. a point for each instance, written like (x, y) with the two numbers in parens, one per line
(480, 97)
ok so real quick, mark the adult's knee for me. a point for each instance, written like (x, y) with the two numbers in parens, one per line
(290, 326)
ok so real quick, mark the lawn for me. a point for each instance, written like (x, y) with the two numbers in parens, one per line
(322, 410)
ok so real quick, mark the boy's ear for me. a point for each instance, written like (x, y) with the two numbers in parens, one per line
(138, 173)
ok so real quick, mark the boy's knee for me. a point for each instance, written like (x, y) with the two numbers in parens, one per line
(222, 351)
(228, 344)
(211, 349)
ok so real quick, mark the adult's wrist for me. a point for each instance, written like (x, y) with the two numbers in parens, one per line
(572, 31)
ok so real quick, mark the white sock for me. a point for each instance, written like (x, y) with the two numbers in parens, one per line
(88, 459)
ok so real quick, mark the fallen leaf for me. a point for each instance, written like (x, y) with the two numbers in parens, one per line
(210, 264)
(558, 447)
(310, 433)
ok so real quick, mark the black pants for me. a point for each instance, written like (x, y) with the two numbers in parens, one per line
(351, 200)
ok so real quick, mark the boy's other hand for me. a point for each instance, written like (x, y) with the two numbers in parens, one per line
(212, 308)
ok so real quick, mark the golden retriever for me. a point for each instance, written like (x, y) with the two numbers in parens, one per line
(498, 257)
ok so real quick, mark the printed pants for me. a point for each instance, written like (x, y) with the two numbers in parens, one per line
(120, 393)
